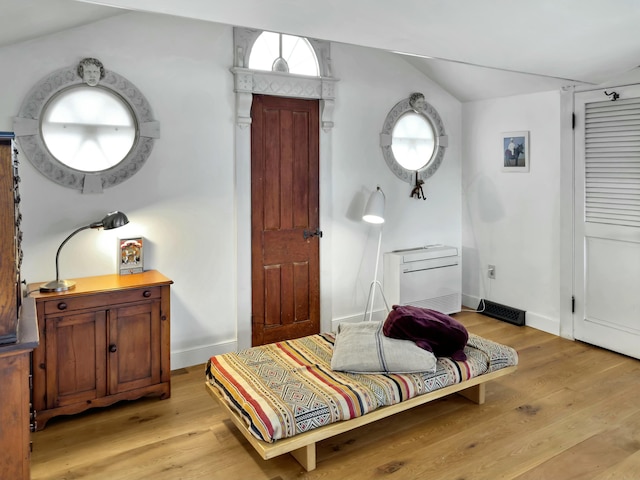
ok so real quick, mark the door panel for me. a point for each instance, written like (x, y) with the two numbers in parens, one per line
(75, 350)
(134, 353)
(285, 204)
(610, 260)
(607, 220)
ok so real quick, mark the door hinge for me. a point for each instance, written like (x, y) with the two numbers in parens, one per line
(573, 121)
(573, 304)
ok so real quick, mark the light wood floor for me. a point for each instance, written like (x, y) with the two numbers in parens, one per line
(571, 411)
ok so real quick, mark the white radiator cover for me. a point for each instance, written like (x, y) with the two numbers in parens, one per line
(428, 277)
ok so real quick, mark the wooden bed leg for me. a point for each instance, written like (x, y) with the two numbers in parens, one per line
(306, 456)
(476, 393)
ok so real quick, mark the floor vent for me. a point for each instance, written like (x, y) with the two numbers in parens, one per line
(502, 312)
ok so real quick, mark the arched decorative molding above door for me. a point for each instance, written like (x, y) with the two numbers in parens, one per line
(249, 81)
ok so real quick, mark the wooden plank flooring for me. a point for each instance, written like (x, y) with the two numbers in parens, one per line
(571, 411)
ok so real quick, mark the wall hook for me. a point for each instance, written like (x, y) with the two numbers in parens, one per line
(614, 95)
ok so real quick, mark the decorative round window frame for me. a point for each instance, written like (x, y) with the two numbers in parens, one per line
(441, 140)
(28, 132)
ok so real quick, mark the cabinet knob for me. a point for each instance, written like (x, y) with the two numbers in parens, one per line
(113, 348)
(62, 306)
(146, 294)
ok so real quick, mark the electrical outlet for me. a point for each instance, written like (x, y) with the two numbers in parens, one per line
(491, 271)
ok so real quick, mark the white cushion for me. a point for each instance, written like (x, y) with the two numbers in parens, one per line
(363, 348)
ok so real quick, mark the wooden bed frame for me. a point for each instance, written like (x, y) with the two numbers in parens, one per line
(303, 445)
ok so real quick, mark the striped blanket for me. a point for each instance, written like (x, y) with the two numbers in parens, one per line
(286, 388)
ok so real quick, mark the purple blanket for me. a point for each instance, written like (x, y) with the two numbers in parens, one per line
(431, 330)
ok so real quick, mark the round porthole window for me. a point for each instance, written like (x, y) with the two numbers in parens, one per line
(85, 127)
(89, 129)
(413, 139)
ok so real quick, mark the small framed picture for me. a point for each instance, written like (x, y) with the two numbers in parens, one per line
(515, 152)
(130, 255)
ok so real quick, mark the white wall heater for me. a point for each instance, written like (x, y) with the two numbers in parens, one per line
(427, 277)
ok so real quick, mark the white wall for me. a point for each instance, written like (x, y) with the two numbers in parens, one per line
(371, 83)
(182, 201)
(179, 201)
(512, 220)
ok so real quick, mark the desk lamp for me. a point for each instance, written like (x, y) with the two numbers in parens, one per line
(112, 220)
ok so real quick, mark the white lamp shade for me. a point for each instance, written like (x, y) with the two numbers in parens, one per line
(374, 211)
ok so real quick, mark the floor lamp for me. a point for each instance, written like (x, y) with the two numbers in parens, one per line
(374, 213)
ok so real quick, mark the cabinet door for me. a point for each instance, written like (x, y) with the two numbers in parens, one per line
(75, 353)
(134, 346)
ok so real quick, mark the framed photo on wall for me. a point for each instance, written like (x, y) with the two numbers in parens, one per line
(516, 155)
(130, 255)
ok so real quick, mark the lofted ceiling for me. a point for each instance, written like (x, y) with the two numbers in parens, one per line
(475, 49)
(23, 20)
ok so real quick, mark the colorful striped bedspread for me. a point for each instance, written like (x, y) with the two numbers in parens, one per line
(286, 388)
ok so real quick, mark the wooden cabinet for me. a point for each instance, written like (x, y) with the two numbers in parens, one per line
(18, 329)
(104, 341)
(15, 407)
(10, 245)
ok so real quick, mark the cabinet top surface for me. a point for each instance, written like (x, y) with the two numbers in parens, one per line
(105, 283)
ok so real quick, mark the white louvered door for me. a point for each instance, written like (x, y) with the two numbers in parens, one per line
(607, 220)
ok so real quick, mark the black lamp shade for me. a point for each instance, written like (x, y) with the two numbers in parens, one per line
(111, 220)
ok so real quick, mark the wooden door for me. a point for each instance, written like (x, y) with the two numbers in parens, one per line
(75, 352)
(607, 220)
(284, 205)
(134, 347)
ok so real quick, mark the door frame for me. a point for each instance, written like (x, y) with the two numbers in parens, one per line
(285, 207)
(567, 202)
(567, 220)
(243, 231)
(247, 82)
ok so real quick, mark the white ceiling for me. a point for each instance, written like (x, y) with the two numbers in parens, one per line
(476, 48)
(22, 20)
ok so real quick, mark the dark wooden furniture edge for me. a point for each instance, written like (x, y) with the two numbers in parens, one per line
(27, 328)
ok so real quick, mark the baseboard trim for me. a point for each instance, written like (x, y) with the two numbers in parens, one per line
(533, 320)
(196, 356)
(469, 302)
(546, 324)
(199, 355)
(378, 316)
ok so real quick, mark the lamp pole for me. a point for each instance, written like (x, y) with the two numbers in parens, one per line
(374, 213)
(375, 283)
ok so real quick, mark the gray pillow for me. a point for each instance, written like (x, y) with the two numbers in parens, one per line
(363, 348)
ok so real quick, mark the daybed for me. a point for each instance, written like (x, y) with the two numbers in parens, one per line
(284, 397)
